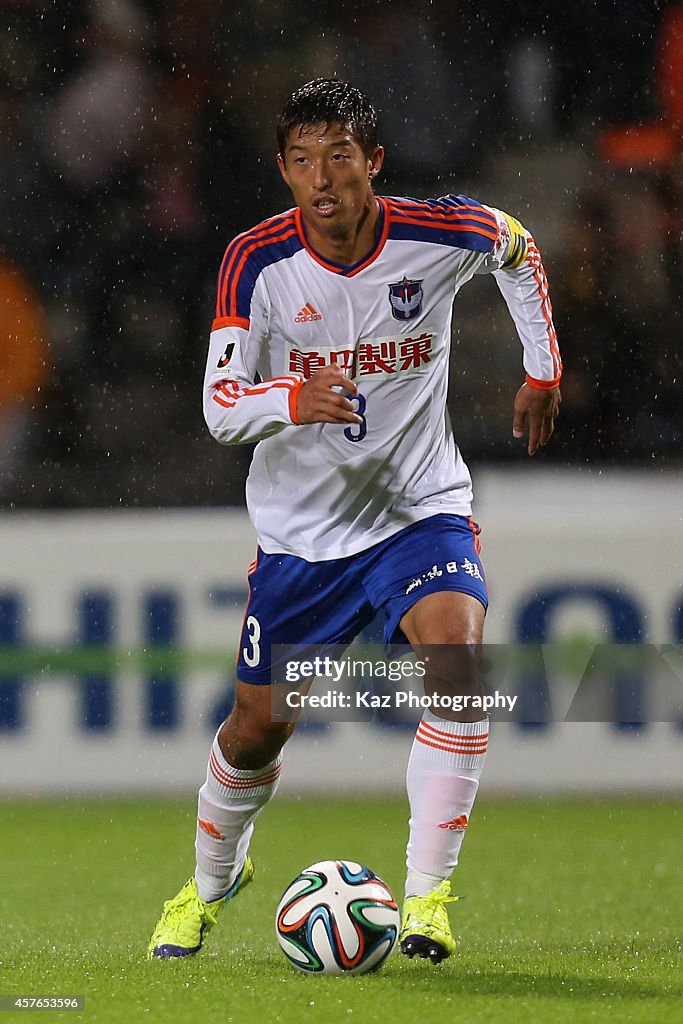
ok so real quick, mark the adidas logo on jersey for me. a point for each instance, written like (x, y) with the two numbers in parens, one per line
(306, 314)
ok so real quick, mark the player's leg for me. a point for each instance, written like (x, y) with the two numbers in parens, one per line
(290, 601)
(445, 765)
(242, 776)
(430, 582)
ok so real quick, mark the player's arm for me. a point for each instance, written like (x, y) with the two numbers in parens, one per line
(535, 412)
(321, 400)
(238, 407)
(242, 404)
(520, 275)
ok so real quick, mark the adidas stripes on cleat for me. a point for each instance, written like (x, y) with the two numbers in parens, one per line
(186, 919)
(425, 928)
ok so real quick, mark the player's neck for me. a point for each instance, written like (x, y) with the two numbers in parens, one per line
(347, 246)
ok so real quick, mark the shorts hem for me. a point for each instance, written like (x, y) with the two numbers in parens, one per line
(240, 674)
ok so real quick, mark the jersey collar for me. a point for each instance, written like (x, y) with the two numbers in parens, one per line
(381, 235)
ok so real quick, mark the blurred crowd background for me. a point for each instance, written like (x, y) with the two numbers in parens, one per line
(137, 137)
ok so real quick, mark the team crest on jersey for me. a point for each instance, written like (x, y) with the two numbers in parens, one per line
(227, 355)
(406, 299)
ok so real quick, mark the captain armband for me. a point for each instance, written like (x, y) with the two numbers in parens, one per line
(518, 246)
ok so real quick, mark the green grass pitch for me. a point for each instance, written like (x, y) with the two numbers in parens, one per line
(572, 913)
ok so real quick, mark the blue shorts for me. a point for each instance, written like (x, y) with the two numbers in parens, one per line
(327, 604)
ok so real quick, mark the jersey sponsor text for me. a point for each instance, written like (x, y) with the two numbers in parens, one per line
(371, 357)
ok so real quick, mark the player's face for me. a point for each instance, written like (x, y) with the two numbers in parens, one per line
(331, 180)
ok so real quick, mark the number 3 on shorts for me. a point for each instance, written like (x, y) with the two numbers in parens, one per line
(253, 628)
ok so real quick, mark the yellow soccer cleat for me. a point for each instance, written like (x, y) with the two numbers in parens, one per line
(425, 928)
(186, 918)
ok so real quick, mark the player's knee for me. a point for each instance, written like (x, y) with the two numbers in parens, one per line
(453, 670)
(446, 618)
(250, 727)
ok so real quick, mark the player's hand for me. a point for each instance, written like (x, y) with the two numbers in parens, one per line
(319, 403)
(535, 410)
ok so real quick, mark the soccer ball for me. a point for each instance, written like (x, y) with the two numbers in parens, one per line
(337, 917)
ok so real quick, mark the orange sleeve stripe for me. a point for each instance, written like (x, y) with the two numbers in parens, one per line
(274, 224)
(236, 390)
(245, 256)
(268, 385)
(294, 403)
(230, 321)
(423, 206)
(221, 278)
(462, 228)
(543, 385)
(468, 211)
(455, 221)
(230, 396)
(536, 263)
(272, 231)
(228, 399)
(221, 401)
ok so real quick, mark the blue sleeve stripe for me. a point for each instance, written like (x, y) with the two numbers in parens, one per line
(246, 256)
(451, 220)
(458, 239)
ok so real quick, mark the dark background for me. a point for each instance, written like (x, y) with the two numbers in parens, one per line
(136, 138)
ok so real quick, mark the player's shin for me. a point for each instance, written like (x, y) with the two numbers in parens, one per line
(229, 802)
(445, 764)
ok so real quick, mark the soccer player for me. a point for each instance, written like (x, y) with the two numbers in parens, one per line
(330, 348)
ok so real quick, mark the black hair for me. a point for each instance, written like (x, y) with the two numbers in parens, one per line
(327, 101)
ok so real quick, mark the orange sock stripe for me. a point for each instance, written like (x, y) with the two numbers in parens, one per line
(441, 734)
(239, 782)
(245, 784)
(451, 750)
(473, 743)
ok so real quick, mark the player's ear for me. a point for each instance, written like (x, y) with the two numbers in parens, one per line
(283, 170)
(375, 160)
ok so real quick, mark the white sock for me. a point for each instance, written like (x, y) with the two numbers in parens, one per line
(443, 777)
(229, 802)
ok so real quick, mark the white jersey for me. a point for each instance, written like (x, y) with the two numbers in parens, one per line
(322, 490)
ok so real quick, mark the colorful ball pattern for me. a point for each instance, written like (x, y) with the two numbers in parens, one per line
(337, 917)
